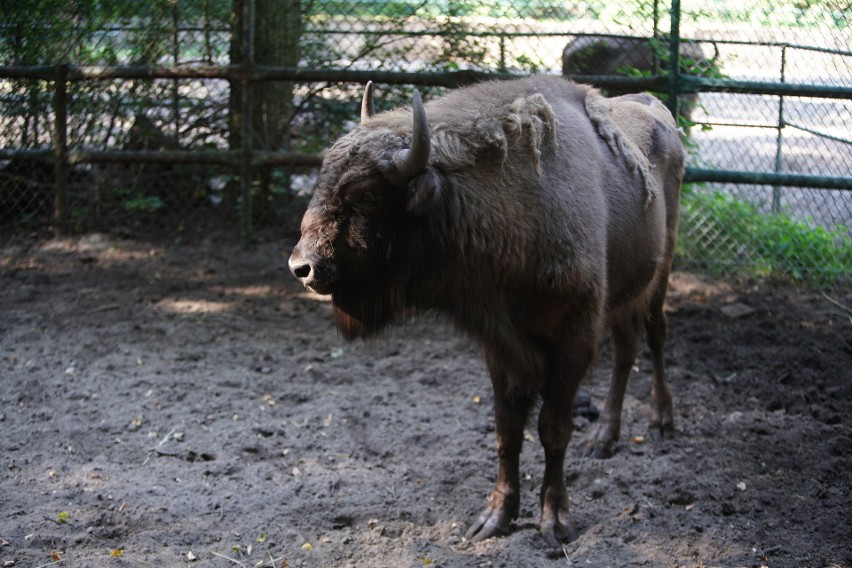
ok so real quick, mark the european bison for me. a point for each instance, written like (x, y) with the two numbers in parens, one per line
(533, 213)
(596, 55)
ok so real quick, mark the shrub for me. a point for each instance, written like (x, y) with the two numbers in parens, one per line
(722, 233)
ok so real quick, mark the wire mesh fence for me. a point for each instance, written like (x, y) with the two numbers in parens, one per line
(177, 116)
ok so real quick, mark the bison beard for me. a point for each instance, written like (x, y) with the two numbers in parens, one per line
(361, 311)
(533, 213)
(368, 301)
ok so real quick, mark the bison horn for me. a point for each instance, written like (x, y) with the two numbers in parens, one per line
(412, 161)
(368, 108)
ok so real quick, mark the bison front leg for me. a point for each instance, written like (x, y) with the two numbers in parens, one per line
(511, 410)
(555, 425)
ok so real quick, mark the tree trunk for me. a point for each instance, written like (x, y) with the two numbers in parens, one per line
(277, 28)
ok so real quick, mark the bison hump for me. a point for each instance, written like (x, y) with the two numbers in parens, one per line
(627, 124)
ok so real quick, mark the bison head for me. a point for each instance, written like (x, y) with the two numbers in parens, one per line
(356, 234)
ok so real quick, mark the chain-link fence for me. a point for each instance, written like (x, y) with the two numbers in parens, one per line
(179, 117)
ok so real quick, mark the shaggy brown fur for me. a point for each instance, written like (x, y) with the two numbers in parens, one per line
(627, 124)
(533, 226)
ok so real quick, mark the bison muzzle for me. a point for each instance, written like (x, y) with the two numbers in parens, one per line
(534, 214)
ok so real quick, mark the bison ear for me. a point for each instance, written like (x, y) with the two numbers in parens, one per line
(424, 191)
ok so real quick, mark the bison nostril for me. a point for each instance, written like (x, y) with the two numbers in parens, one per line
(301, 272)
(300, 267)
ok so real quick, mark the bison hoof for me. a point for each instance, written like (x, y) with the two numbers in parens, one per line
(600, 451)
(583, 406)
(557, 532)
(492, 522)
(602, 443)
(661, 432)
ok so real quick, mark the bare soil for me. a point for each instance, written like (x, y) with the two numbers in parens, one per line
(191, 406)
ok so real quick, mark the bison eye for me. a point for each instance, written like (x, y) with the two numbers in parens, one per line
(365, 195)
(368, 198)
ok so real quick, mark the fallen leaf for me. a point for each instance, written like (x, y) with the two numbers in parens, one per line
(737, 310)
(63, 517)
(55, 556)
(307, 546)
(638, 439)
(117, 552)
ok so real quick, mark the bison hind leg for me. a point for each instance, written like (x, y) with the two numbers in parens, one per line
(656, 325)
(626, 329)
(627, 326)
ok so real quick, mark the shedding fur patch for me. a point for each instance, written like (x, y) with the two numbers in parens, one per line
(526, 124)
(535, 115)
(627, 125)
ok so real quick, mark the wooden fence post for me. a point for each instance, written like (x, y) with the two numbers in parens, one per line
(60, 149)
(246, 171)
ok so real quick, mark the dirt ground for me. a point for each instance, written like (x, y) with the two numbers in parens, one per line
(191, 406)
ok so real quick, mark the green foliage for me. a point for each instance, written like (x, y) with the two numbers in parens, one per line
(530, 9)
(365, 8)
(776, 13)
(41, 32)
(137, 202)
(720, 232)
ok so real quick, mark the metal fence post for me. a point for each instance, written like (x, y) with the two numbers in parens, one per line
(246, 154)
(60, 149)
(674, 59)
(779, 140)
